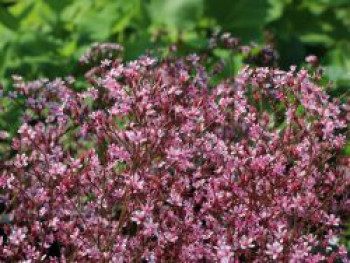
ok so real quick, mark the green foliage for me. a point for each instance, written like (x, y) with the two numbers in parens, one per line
(319, 27)
(244, 18)
(46, 37)
(174, 15)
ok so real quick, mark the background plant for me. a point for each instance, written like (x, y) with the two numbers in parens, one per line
(38, 37)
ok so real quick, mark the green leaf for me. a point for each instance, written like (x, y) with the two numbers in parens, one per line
(57, 6)
(244, 18)
(8, 20)
(276, 9)
(7, 3)
(176, 14)
(69, 48)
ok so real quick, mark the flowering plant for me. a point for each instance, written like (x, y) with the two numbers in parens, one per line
(156, 163)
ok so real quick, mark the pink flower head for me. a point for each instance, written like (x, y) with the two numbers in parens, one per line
(274, 250)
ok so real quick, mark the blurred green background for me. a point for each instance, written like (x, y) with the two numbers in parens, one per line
(45, 38)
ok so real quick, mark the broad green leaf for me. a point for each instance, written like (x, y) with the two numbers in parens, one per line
(244, 18)
(7, 19)
(176, 14)
(276, 9)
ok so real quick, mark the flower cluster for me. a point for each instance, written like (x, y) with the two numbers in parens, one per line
(155, 164)
(97, 50)
(264, 56)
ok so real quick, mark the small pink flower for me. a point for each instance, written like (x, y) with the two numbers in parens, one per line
(224, 253)
(106, 62)
(21, 161)
(312, 59)
(333, 220)
(4, 135)
(18, 235)
(246, 242)
(138, 216)
(274, 250)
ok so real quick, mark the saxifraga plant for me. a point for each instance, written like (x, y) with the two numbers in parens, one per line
(155, 163)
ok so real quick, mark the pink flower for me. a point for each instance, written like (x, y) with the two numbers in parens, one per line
(312, 59)
(106, 62)
(138, 217)
(21, 161)
(4, 135)
(274, 250)
(333, 220)
(18, 235)
(224, 253)
(246, 242)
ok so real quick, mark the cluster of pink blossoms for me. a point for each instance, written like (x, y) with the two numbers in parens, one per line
(156, 163)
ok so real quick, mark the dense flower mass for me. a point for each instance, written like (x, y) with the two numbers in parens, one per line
(156, 163)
